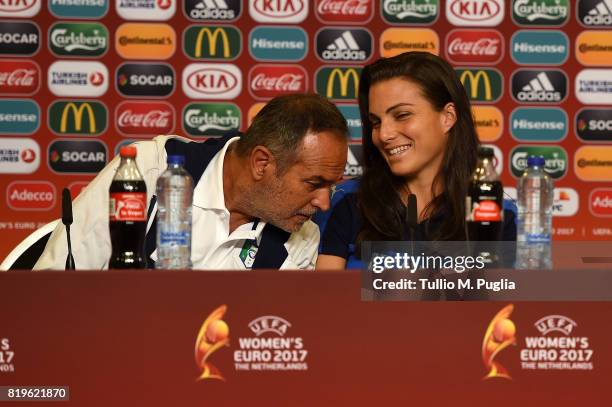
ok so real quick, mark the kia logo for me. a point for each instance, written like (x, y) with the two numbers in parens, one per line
(208, 81)
(475, 10)
(279, 8)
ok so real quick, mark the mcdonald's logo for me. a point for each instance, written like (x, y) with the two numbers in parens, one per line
(481, 85)
(212, 42)
(79, 118)
(338, 83)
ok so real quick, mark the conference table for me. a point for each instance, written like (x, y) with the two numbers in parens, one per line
(197, 338)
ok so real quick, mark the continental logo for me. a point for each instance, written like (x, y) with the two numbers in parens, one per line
(540, 12)
(338, 83)
(469, 13)
(594, 48)
(19, 8)
(278, 11)
(595, 13)
(594, 125)
(93, 9)
(410, 11)
(278, 43)
(212, 42)
(78, 39)
(489, 122)
(212, 10)
(19, 38)
(538, 124)
(481, 85)
(149, 10)
(594, 86)
(145, 41)
(594, 163)
(395, 41)
(555, 159)
(19, 116)
(82, 118)
(539, 47)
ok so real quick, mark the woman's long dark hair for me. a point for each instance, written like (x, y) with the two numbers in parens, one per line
(382, 210)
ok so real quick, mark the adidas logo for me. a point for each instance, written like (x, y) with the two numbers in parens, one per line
(344, 48)
(353, 167)
(212, 10)
(601, 14)
(539, 89)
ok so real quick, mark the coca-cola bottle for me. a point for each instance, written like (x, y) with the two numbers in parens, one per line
(484, 202)
(127, 213)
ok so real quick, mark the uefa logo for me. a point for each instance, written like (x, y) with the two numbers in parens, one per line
(19, 38)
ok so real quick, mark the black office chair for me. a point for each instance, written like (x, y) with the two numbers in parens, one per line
(26, 254)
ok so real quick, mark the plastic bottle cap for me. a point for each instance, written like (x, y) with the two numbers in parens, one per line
(127, 151)
(533, 160)
(176, 159)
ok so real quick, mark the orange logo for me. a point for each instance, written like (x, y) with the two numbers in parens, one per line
(213, 335)
(489, 122)
(593, 163)
(594, 48)
(145, 41)
(253, 112)
(500, 334)
(395, 41)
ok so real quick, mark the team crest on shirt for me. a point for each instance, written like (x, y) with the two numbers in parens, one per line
(248, 253)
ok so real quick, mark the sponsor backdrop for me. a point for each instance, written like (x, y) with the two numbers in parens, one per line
(78, 79)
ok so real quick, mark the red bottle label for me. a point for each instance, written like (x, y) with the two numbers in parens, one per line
(128, 206)
(486, 211)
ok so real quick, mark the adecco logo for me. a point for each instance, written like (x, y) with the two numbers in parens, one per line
(212, 81)
(78, 39)
(338, 83)
(212, 42)
(77, 78)
(474, 46)
(539, 47)
(395, 41)
(30, 195)
(594, 125)
(537, 86)
(144, 118)
(600, 202)
(19, 77)
(79, 10)
(148, 80)
(594, 48)
(19, 116)
(19, 8)
(353, 120)
(278, 11)
(268, 81)
(354, 161)
(19, 38)
(481, 84)
(410, 11)
(149, 10)
(594, 86)
(212, 10)
(489, 122)
(77, 156)
(345, 11)
(278, 43)
(595, 13)
(19, 155)
(483, 13)
(211, 119)
(565, 202)
(83, 118)
(540, 12)
(343, 45)
(554, 156)
(593, 163)
(145, 41)
(538, 124)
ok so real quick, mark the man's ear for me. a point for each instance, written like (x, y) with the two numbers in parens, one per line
(261, 161)
(448, 116)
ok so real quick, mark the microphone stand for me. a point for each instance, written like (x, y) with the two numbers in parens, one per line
(67, 221)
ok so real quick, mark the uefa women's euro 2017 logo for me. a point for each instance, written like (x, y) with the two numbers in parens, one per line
(500, 334)
(213, 335)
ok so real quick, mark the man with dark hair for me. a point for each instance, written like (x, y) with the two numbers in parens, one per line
(259, 190)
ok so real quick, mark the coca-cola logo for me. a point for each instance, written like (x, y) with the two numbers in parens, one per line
(475, 12)
(600, 202)
(345, 11)
(30, 195)
(268, 81)
(212, 81)
(480, 47)
(19, 77)
(145, 118)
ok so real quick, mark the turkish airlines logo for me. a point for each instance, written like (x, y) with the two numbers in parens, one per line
(345, 11)
(341, 45)
(19, 38)
(600, 202)
(594, 86)
(212, 81)
(19, 8)
(19, 77)
(485, 47)
(150, 10)
(484, 13)
(77, 78)
(149, 80)
(19, 155)
(278, 11)
(268, 81)
(30, 195)
(145, 118)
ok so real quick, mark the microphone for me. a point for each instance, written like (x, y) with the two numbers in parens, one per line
(67, 220)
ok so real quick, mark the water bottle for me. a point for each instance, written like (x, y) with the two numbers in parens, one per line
(535, 201)
(174, 200)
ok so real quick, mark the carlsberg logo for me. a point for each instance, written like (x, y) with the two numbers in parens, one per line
(205, 121)
(79, 39)
(532, 10)
(402, 9)
(555, 165)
